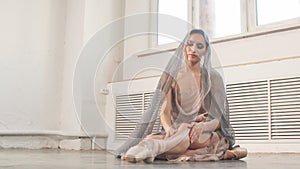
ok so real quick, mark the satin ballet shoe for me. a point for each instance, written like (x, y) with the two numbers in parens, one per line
(140, 152)
(235, 154)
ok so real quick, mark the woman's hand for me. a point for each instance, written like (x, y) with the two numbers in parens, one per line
(196, 131)
(202, 117)
(170, 132)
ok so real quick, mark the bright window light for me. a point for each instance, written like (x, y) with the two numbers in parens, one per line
(176, 8)
(228, 17)
(270, 11)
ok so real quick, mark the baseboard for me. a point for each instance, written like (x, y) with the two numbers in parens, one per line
(53, 142)
(283, 146)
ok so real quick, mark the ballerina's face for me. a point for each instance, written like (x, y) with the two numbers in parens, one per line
(195, 48)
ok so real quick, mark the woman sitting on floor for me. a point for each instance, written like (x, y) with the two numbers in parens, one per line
(194, 116)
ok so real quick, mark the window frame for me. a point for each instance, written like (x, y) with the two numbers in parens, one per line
(153, 40)
(249, 27)
(275, 25)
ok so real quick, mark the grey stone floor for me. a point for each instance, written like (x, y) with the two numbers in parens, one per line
(61, 159)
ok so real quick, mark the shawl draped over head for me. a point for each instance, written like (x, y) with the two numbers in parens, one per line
(212, 95)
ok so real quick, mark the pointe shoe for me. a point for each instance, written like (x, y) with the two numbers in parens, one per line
(235, 154)
(140, 152)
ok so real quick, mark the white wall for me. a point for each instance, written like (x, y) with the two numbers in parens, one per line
(102, 18)
(31, 57)
(73, 43)
(266, 56)
(40, 44)
(135, 43)
(84, 20)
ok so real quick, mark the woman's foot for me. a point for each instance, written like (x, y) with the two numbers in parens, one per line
(235, 154)
(141, 152)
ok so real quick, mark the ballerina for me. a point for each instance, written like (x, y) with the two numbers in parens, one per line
(194, 111)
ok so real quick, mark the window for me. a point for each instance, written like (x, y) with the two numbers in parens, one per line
(227, 16)
(271, 11)
(176, 8)
(221, 18)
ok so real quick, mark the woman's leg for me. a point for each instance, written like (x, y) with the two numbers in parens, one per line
(154, 145)
(179, 142)
(176, 144)
(184, 144)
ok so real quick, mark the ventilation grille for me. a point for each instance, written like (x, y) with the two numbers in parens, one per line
(265, 110)
(285, 108)
(248, 104)
(259, 110)
(129, 110)
(147, 98)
